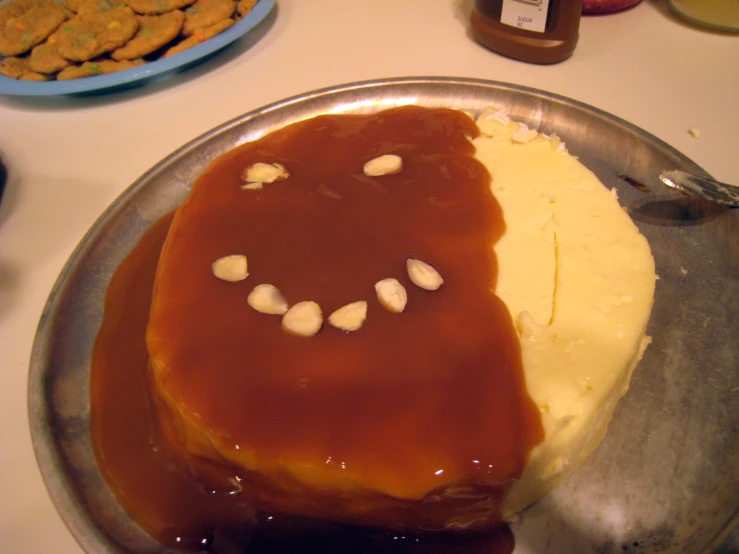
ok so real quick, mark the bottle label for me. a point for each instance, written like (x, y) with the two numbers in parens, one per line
(525, 14)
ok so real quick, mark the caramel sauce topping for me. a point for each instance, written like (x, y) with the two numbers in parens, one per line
(412, 403)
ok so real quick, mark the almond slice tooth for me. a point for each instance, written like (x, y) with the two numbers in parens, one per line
(391, 295)
(349, 317)
(383, 165)
(303, 319)
(231, 268)
(423, 275)
(267, 299)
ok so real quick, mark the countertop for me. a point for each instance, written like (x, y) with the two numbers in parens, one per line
(69, 157)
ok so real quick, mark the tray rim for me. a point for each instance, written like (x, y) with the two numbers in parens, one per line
(51, 464)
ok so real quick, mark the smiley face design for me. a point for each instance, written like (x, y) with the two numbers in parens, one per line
(305, 318)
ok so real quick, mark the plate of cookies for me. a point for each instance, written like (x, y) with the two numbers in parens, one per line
(73, 46)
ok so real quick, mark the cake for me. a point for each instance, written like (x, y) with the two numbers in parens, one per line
(347, 325)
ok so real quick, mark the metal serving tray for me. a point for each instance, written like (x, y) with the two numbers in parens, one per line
(665, 479)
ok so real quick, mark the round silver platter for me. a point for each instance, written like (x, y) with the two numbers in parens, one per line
(666, 477)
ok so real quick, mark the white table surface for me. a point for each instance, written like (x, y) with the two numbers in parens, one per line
(69, 157)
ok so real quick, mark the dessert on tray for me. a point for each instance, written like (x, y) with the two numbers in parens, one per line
(404, 320)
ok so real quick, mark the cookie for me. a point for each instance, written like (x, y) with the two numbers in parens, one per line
(87, 7)
(97, 67)
(17, 68)
(45, 57)
(12, 67)
(154, 32)
(200, 36)
(72, 5)
(205, 13)
(245, 6)
(26, 23)
(33, 76)
(156, 7)
(88, 36)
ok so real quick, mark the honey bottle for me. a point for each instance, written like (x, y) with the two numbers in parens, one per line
(535, 31)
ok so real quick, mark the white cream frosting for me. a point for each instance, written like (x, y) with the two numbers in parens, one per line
(578, 278)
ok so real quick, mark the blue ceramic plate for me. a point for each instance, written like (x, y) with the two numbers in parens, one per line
(147, 71)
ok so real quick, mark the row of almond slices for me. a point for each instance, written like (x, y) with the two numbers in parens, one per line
(306, 318)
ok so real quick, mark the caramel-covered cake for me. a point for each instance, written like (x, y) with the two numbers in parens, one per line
(404, 320)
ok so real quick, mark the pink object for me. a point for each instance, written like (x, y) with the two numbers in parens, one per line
(606, 6)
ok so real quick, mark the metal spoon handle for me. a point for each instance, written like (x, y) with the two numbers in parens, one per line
(702, 187)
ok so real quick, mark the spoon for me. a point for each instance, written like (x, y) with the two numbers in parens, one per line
(702, 187)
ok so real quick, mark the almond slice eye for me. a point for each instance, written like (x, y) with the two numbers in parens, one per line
(264, 173)
(391, 295)
(267, 299)
(303, 319)
(383, 165)
(231, 268)
(423, 275)
(349, 317)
